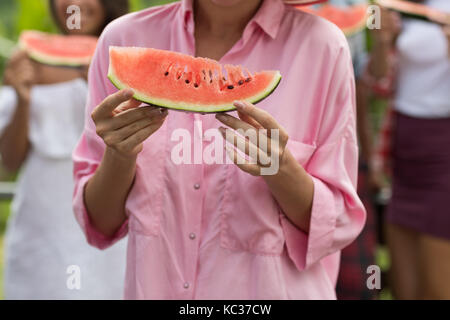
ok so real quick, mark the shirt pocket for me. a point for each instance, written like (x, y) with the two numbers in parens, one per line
(250, 215)
(145, 200)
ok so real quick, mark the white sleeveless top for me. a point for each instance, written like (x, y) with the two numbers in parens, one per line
(47, 255)
(424, 72)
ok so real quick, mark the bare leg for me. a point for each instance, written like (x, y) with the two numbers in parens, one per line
(404, 274)
(434, 271)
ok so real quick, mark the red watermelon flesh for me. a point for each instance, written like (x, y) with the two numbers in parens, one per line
(179, 81)
(350, 19)
(58, 50)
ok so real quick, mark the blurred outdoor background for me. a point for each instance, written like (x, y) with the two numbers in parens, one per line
(13, 19)
(18, 15)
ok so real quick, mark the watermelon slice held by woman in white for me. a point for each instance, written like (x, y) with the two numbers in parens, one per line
(41, 118)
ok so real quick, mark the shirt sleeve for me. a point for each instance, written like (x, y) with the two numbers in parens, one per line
(338, 215)
(8, 103)
(89, 151)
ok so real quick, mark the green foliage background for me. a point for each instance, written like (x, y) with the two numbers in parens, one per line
(15, 16)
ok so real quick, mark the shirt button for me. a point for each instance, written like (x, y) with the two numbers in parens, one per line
(192, 236)
(196, 186)
(186, 285)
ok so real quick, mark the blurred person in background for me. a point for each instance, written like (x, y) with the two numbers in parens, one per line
(41, 119)
(360, 254)
(413, 56)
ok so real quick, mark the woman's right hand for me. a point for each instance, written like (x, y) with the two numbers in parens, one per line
(123, 125)
(20, 74)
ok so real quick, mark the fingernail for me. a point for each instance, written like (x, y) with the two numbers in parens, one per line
(163, 112)
(239, 105)
(128, 93)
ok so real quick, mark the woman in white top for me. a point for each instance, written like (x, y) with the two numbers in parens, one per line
(419, 213)
(41, 119)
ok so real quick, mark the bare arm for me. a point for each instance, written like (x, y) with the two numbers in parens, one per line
(379, 64)
(293, 188)
(384, 40)
(365, 135)
(447, 33)
(107, 191)
(363, 123)
(291, 185)
(123, 127)
(14, 143)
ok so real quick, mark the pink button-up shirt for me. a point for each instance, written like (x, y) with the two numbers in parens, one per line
(211, 231)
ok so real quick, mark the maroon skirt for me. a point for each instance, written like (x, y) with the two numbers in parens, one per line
(421, 175)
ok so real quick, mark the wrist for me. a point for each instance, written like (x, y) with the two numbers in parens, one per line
(118, 159)
(288, 167)
(383, 42)
(23, 99)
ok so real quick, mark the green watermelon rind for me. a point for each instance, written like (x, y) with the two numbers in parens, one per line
(195, 108)
(56, 61)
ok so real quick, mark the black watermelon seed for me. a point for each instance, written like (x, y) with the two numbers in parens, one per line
(231, 87)
(187, 81)
(241, 82)
(195, 85)
(248, 79)
(166, 74)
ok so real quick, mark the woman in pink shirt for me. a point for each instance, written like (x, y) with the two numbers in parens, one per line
(223, 231)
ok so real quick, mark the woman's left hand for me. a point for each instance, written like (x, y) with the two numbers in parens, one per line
(263, 141)
(260, 137)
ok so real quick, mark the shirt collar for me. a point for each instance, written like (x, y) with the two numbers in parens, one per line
(186, 14)
(268, 17)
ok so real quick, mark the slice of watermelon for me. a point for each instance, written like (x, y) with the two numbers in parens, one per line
(178, 81)
(58, 50)
(350, 20)
(417, 11)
